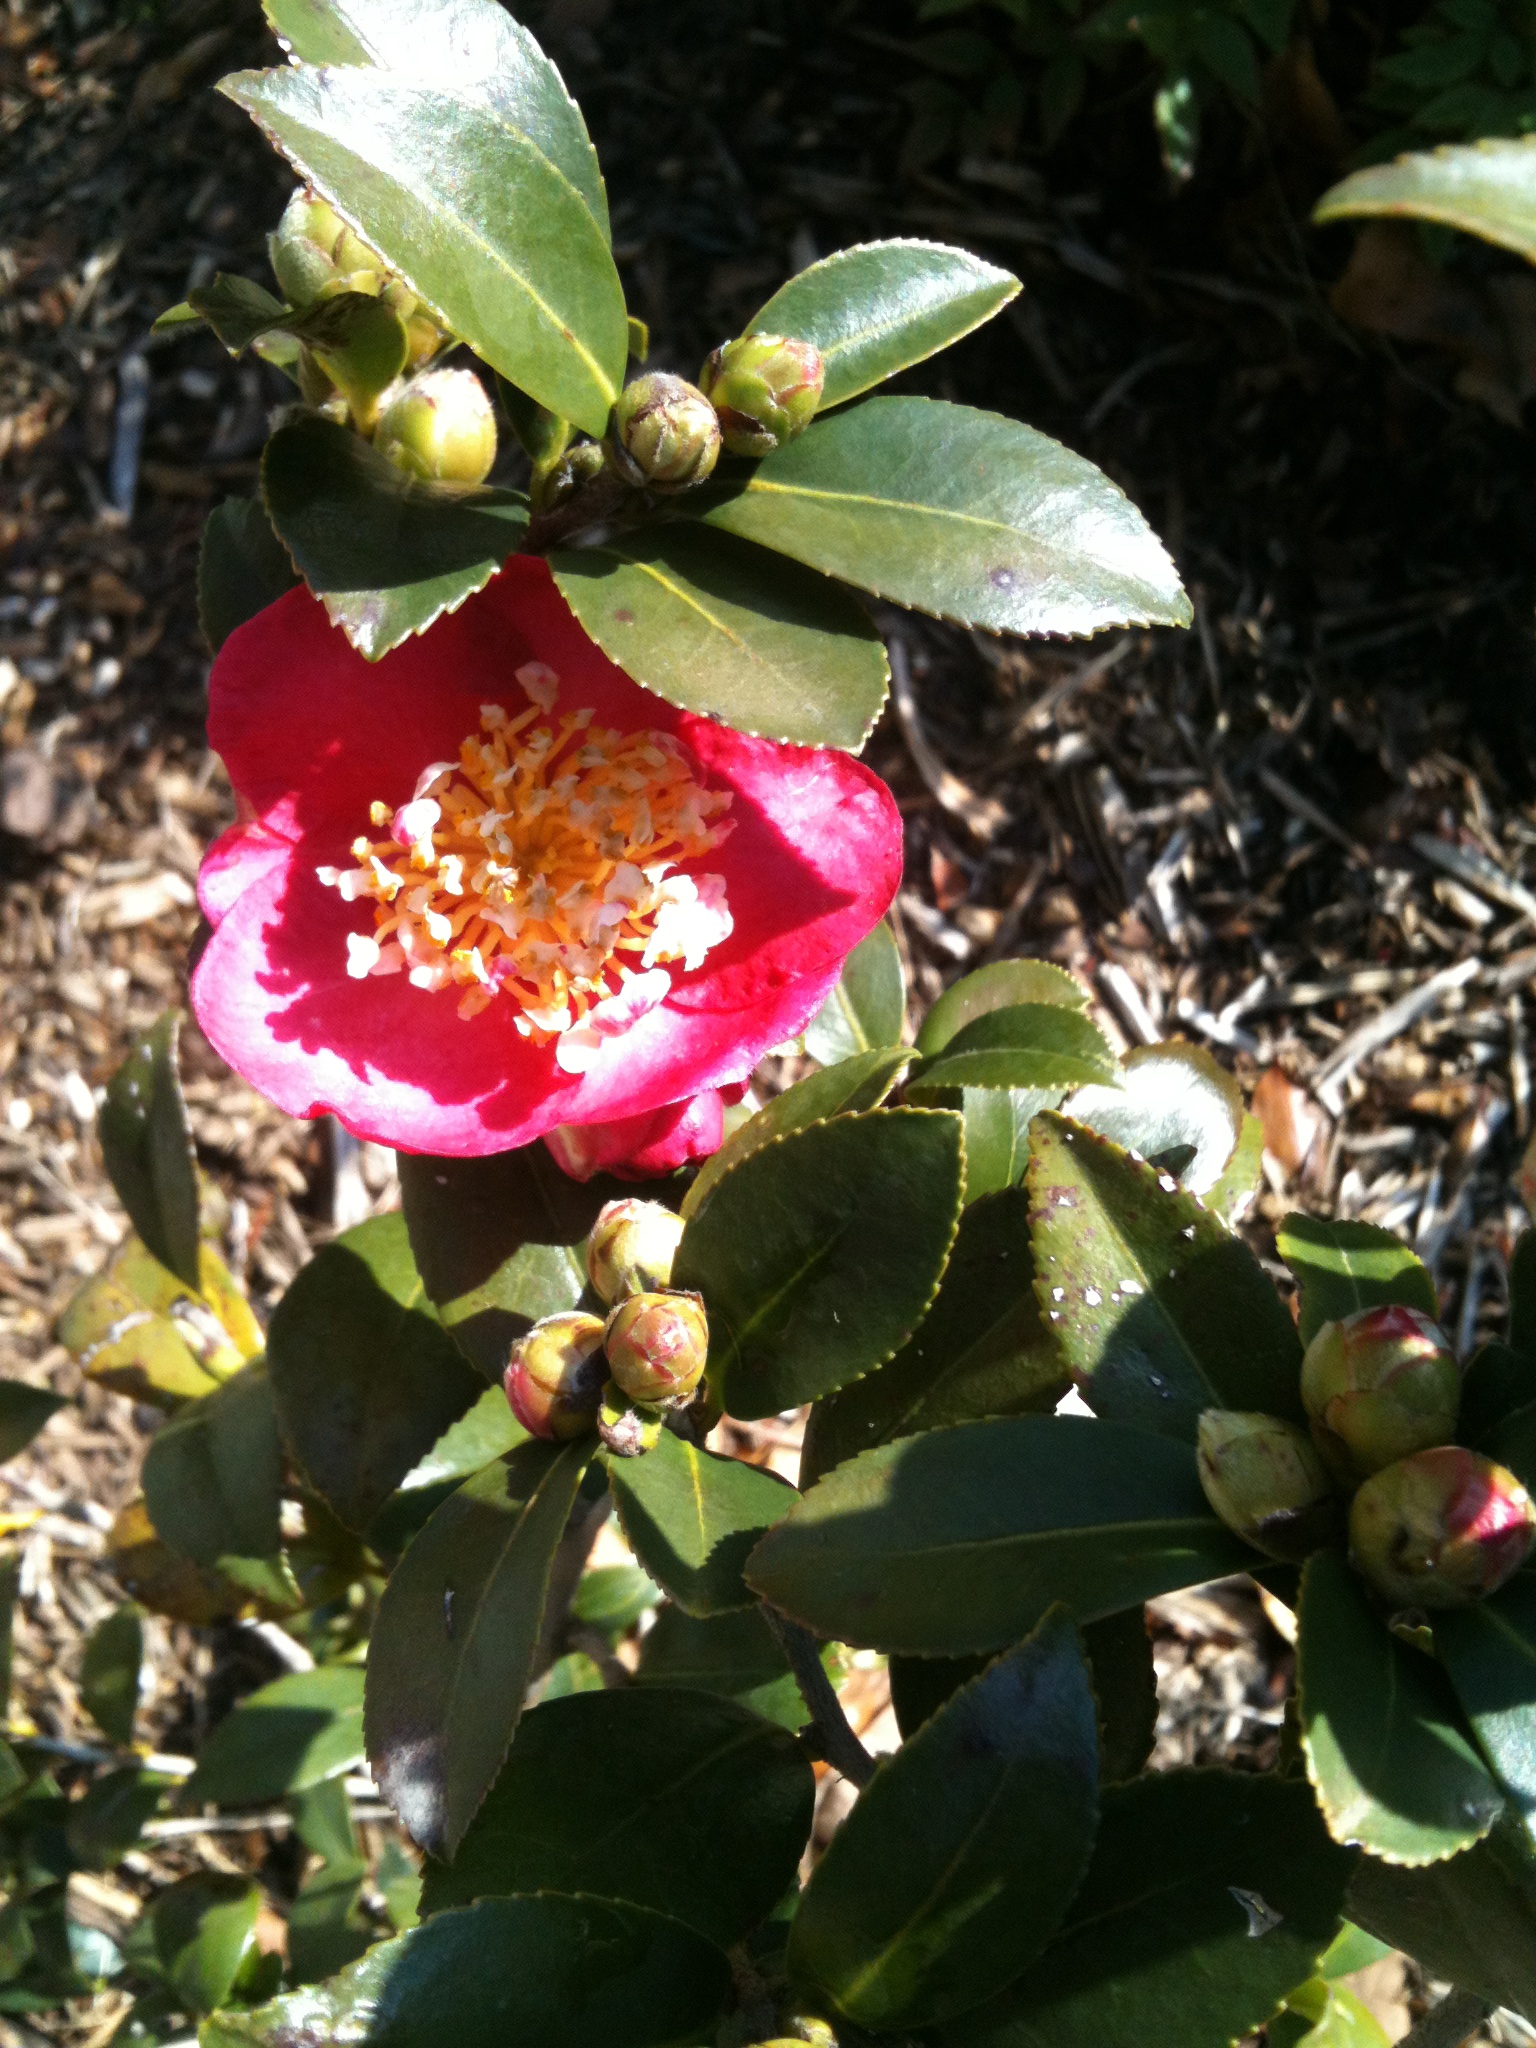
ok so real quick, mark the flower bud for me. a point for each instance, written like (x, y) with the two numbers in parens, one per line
(628, 1427)
(556, 1374)
(1377, 1385)
(440, 426)
(577, 467)
(665, 434)
(1267, 1482)
(1440, 1529)
(657, 1344)
(631, 1249)
(764, 389)
(315, 253)
(423, 336)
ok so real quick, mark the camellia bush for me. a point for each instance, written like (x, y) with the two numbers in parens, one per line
(550, 826)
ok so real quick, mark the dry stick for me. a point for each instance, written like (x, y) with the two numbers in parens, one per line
(1328, 1083)
(842, 1748)
(1448, 2024)
(983, 814)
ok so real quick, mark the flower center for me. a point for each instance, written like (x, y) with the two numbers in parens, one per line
(541, 866)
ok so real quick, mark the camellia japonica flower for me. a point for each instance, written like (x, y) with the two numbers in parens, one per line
(489, 889)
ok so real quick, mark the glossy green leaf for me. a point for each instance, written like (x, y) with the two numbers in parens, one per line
(1323, 2015)
(574, 1672)
(242, 567)
(473, 215)
(327, 1928)
(1489, 1650)
(1484, 188)
(110, 1672)
(23, 1411)
(1343, 1266)
(1497, 1383)
(1386, 1745)
(386, 553)
(818, 1254)
(716, 626)
(453, 1645)
(1175, 1106)
(882, 306)
(735, 1655)
(1159, 1310)
(699, 1808)
(300, 1730)
(982, 1349)
(1209, 1896)
(612, 1597)
(569, 1973)
(1232, 1195)
(997, 1122)
(499, 1242)
(365, 1377)
(692, 1518)
(1351, 1949)
(960, 513)
(1119, 1651)
(1043, 1048)
(203, 1926)
(1000, 986)
(213, 1473)
(867, 1008)
(146, 1147)
(359, 341)
(961, 1539)
(108, 1819)
(236, 309)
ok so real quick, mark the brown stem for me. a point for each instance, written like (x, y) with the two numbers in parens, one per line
(841, 1747)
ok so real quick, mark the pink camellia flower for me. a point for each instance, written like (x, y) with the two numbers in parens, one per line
(489, 889)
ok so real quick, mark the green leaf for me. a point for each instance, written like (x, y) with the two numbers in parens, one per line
(1496, 1385)
(203, 1926)
(387, 553)
(1175, 1106)
(567, 1973)
(500, 1243)
(1231, 1196)
(961, 1539)
(612, 1597)
(1385, 1743)
(327, 1929)
(23, 1411)
(959, 1859)
(236, 309)
(982, 1349)
(867, 1008)
(472, 214)
(108, 1820)
(453, 1645)
(300, 1730)
(818, 1254)
(574, 1672)
(1522, 1295)
(1489, 1650)
(1042, 1047)
(110, 1670)
(1125, 1683)
(699, 1808)
(1160, 1312)
(692, 1517)
(959, 513)
(1342, 1267)
(146, 1147)
(1324, 2015)
(735, 1655)
(213, 1473)
(360, 342)
(1513, 1443)
(1209, 1896)
(716, 626)
(882, 306)
(242, 567)
(1001, 986)
(1484, 188)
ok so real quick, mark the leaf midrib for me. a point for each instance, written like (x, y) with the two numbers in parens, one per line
(1170, 1525)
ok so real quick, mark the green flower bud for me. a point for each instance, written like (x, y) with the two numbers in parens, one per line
(808, 2027)
(1266, 1482)
(631, 1249)
(1440, 1529)
(577, 467)
(556, 1374)
(315, 253)
(628, 1428)
(657, 1344)
(765, 390)
(1377, 1385)
(423, 336)
(441, 426)
(665, 434)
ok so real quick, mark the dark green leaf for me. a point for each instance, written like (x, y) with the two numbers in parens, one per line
(108, 1820)
(203, 1926)
(1386, 1745)
(553, 1971)
(327, 1928)
(867, 1008)
(1496, 1385)
(1522, 1295)
(1042, 1047)
(1173, 1102)
(818, 1254)
(213, 1473)
(322, 1820)
(23, 1411)
(714, 625)
(236, 309)
(960, 1857)
(471, 213)
(982, 1349)
(1490, 1653)
(242, 567)
(298, 1731)
(612, 1598)
(359, 341)
(691, 1518)
(574, 1672)
(961, 1539)
(387, 553)
(735, 1655)
(1484, 188)
(1209, 1896)
(453, 1646)
(109, 1673)
(959, 513)
(1159, 1310)
(880, 307)
(488, 1430)
(1512, 1442)
(1342, 1267)
(1002, 986)
(698, 1807)
(1125, 1684)
(146, 1147)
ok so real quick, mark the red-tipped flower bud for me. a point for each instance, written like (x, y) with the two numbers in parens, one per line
(556, 1374)
(631, 1249)
(440, 426)
(665, 434)
(1267, 1482)
(1440, 1529)
(628, 1428)
(764, 388)
(657, 1344)
(1377, 1385)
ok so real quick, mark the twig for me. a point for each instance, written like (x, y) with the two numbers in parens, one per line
(1309, 813)
(1129, 1002)
(1380, 1030)
(982, 814)
(843, 1749)
(1478, 871)
(1449, 2023)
